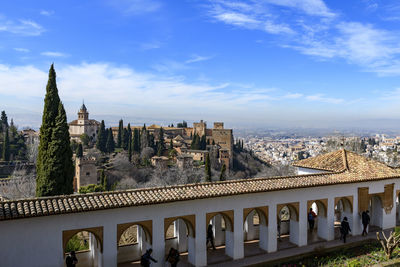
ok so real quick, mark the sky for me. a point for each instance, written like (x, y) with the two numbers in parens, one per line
(261, 63)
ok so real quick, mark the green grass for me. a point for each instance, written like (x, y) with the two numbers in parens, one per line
(77, 243)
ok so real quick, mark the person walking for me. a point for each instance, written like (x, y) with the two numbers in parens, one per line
(173, 257)
(210, 236)
(71, 259)
(344, 229)
(311, 219)
(365, 219)
(146, 258)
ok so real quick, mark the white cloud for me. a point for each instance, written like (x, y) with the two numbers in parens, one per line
(310, 7)
(46, 12)
(21, 27)
(293, 95)
(322, 98)
(277, 28)
(54, 54)
(19, 49)
(135, 7)
(197, 58)
(237, 19)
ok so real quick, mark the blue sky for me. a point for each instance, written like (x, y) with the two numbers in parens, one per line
(309, 63)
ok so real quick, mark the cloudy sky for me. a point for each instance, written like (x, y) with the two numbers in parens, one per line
(310, 63)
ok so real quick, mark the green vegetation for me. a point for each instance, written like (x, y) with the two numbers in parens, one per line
(207, 169)
(77, 243)
(54, 168)
(110, 145)
(223, 171)
(85, 139)
(363, 255)
(102, 138)
(79, 151)
(6, 147)
(119, 136)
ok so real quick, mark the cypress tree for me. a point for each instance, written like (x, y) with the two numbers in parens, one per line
(130, 150)
(171, 144)
(3, 121)
(203, 142)
(54, 163)
(222, 175)
(79, 151)
(110, 145)
(161, 144)
(208, 169)
(101, 138)
(136, 141)
(125, 139)
(144, 142)
(120, 132)
(6, 147)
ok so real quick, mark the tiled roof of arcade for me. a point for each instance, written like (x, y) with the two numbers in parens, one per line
(344, 166)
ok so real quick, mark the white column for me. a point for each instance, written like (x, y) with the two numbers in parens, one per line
(389, 220)
(272, 229)
(180, 233)
(263, 236)
(158, 242)
(219, 235)
(238, 243)
(110, 248)
(355, 219)
(303, 233)
(330, 220)
(200, 251)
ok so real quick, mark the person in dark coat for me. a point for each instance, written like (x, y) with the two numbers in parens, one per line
(311, 219)
(146, 258)
(210, 236)
(71, 259)
(173, 257)
(365, 219)
(344, 229)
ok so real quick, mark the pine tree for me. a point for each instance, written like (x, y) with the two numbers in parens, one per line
(222, 175)
(110, 145)
(6, 147)
(120, 132)
(101, 138)
(79, 151)
(208, 169)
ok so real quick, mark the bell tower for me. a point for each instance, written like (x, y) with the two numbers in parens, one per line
(83, 114)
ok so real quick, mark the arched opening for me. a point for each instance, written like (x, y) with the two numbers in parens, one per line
(288, 227)
(181, 237)
(343, 208)
(316, 218)
(255, 232)
(222, 232)
(376, 212)
(87, 248)
(133, 241)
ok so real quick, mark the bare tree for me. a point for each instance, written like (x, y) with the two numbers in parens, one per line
(389, 243)
(21, 184)
(32, 152)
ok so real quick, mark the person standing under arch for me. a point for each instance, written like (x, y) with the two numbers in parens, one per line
(344, 229)
(365, 219)
(311, 219)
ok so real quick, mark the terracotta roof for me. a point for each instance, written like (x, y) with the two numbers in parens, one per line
(343, 160)
(354, 169)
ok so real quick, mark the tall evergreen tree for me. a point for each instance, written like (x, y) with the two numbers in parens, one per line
(120, 133)
(79, 151)
(208, 169)
(125, 139)
(101, 138)
(160, 144)
(144, 140)
(203, 142)
(222, 175)
(3, 121)
(6, 147)
(130, 149)
(171, 144)
(54, 163)
(136, 141)
(110, 145)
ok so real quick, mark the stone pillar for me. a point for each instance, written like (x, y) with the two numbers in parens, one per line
(180, 233)
(199, 256)
(272, 229)
(110, 246)
(263, 236)
(303, 233)
(219, 235)
(158, 242)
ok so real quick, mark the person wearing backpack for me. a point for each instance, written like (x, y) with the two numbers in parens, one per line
(311, 219)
